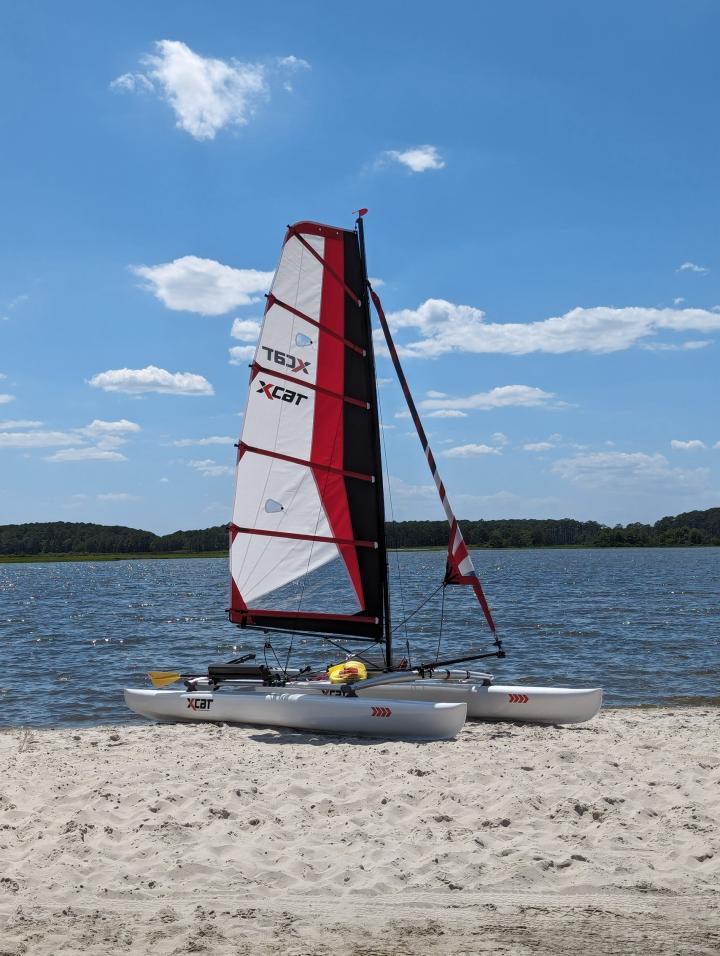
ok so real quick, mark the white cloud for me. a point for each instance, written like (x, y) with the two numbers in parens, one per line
(447, 413)
(36, 439)
(403, 413)
(694, 444)
(206, 94)
(627, 469)
(151, 379)
(717, 444)
(500, 439)
(97, 427)
(375, 282)
(293, 63)
(538, 446)
(116, 496)
(433, 394)
(164, 481)
(418, 159)
(446, 327)
(246, 330)
(192, 284)
(132, 82)
(210, 468)
(678, 300)
(692, 267)
(86, 454)
(212, 440)
(526, 396)
(690, 345)
(239, 354)
(18, 423)
(469, 451)
(5, 398)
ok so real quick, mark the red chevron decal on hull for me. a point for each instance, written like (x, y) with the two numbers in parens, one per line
(381, 712)
(518, 698)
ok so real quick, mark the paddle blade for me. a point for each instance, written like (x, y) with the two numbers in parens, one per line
(161, 678)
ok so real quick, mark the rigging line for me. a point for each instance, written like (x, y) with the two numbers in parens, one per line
(442, 618)
(420, 606)
(392, 512)
(346, 650)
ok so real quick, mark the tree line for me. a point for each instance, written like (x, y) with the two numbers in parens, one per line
(66, 537)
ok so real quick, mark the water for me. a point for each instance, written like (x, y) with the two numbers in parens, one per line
(644, 624)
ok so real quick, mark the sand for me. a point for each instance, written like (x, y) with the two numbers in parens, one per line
(603, 838)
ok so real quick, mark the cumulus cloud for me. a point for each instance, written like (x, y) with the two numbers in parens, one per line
(36, 439)
(207, 94)
(447, 413)
(192, 284)
(443, 326)
(246, 330)
(505, 396)
(5, 398)
(151, 379)
(97, 427)
(418, 159)
(18, 423)
(499, 438)
(627, 470)
(210, 468)
(469, 451)
(690, 345)
(116, 496)
(693, 444)
(538, 446)
(239, 354)
(86, 454)
(212, 440)
(692, 267)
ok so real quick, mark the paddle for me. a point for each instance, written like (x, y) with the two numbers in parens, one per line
(161, 678)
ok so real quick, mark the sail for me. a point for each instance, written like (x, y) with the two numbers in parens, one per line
(308, 488)
(459, 566)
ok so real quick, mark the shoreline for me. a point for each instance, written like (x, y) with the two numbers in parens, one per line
(511, 839)
(178, 555)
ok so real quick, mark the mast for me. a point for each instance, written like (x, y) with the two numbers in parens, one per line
(382, 543)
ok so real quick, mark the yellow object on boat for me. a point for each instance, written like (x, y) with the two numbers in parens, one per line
(346, 672)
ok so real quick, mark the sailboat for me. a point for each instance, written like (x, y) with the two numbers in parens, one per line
(308, 550)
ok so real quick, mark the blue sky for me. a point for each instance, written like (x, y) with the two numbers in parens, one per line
(542, 186)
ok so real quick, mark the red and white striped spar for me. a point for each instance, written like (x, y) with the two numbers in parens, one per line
(460, 569)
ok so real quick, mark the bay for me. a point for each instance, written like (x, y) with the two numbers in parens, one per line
(642, 623)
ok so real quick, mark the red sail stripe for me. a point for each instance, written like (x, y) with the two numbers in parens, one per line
(242, 448)
(328, 437)
(457, 553)
(304, 537)
(256, 368)
(273, 300)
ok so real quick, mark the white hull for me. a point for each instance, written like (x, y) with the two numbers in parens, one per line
(287, 707)
(544, 705)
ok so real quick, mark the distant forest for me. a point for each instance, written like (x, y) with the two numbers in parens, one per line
(65, 537)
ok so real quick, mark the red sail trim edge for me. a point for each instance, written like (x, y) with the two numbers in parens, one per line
(273, 300)
(242, 448)
(459, 568)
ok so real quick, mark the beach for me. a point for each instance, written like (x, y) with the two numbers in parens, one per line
(599, 838)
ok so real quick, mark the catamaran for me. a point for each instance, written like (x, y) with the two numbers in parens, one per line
(308, 550)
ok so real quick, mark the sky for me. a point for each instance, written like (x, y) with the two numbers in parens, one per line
(542, 186)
